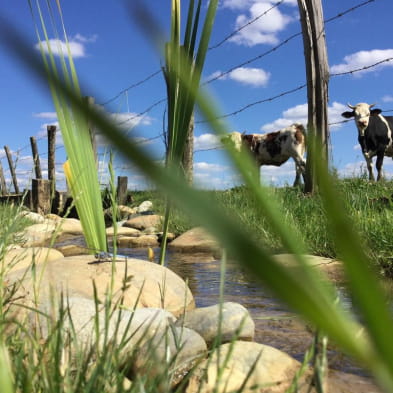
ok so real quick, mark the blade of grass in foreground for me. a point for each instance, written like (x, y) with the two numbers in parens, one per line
(81, 168)
(300, 289)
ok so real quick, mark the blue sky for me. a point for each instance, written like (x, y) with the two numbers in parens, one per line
(111, 53)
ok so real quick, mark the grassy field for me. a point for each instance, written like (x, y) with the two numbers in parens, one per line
(369, 204)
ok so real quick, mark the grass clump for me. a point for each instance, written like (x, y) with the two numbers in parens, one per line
(370, 205)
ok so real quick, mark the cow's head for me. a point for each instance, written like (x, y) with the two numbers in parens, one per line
(234, 138)
(361, 112)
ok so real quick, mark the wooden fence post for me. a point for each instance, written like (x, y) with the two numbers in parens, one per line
(3, 186)
(51, 130)
(317, 69)
(36, 158)
(121, 193)
(41, 192)
(12, 169)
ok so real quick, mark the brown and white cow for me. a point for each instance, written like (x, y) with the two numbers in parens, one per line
(275, 148)
(374, 134)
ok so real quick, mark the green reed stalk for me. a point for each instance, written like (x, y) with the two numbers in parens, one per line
(82, 171)
(183, 68)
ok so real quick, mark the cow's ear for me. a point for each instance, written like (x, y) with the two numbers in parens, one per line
(348, 114)
(375, 112)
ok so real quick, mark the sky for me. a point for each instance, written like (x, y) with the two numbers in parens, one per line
(254, 70)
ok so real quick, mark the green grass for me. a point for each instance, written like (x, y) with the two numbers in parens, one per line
(12, 223)
(368, 204)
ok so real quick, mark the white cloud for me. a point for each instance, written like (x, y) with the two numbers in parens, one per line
(246, 4)
(299, 114)
(59, 47)
(45, 115)
(82, 38)
(206, 141)
(263, 30)
(206, 167)
(387, 98)
(362, 59)
(250, 76)
(255, 77)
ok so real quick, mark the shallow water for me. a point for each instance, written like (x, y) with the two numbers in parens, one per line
(275, 324)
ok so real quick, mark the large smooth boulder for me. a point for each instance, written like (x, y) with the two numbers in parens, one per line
(195, 240)
(144, 221)
(22, 258)
(38, 234)
(259, 367)
(236, 322)
(140, 283)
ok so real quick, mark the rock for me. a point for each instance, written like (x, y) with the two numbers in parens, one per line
(69, 225)
(150, 345)
(331, 267)
(21, 258)
(174, 349)
(195, 240)
(169, 237)
(145, 207)
(123, 212)
(123, 231)
(145, 221)
(135, 242)
(140, 283)
(69, 250)
(38, 234)
(236, 323)
(139, 324)
(34, 217)
(260, 367)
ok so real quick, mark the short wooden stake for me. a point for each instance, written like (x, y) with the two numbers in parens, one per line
(121, 193)
(40, 189)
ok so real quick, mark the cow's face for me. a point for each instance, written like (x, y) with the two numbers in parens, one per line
(361, 112)
(234, 138)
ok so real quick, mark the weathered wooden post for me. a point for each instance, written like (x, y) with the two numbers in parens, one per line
(36, 158)
(188, 153)
(40, 190)
(317, 69)
(3, 186)
(12, 169)
(121, 192)
(51, 130)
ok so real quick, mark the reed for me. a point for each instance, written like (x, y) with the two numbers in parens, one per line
(80, 168)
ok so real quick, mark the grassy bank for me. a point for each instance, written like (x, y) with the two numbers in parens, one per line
(370, 205)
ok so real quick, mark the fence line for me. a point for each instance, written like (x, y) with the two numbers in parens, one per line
(282, 43)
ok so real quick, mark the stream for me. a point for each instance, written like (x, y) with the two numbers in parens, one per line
(275, 324)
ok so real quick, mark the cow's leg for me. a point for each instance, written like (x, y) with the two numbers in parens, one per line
(379, 164)
(300, 166)
(369, 162)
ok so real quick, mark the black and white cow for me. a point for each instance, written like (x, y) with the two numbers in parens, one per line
(275, 148)
(374, 134)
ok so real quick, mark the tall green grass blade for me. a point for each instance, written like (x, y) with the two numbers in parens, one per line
(6, 376)
(83, 179)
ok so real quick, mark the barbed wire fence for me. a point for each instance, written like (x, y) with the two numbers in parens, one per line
(23, 164)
